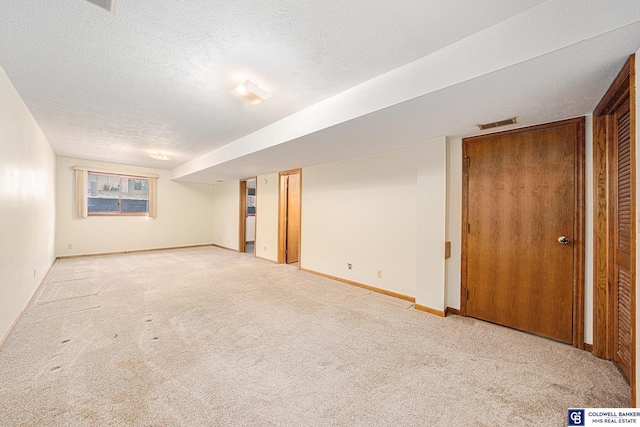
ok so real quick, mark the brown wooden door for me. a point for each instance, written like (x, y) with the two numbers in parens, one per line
(289, 217)
(521, 199)
(621, 236)
(293, 218)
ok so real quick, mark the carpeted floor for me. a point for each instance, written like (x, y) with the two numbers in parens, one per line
(209, 337)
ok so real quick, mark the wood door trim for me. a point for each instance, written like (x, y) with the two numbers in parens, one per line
(632, 101)
(242, 236)
(291, 171)
(579, 232)
(603, 225)
(602, 313)
(282, 228)
(617, 91)
(242, 212)
(623, 87)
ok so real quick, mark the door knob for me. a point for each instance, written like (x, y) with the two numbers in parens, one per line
(563, 240)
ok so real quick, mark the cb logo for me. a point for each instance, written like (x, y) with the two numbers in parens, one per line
(576, 417)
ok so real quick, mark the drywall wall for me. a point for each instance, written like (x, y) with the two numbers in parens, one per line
(267, 217)
(431, 199)
(27, 205)
(362, 212)
(185, 215)
(454, 221)
(588, 226)
(226, 214)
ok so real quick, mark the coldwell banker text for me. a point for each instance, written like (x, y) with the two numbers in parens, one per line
(614, 417)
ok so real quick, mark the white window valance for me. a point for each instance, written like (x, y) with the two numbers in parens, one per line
(112, 172)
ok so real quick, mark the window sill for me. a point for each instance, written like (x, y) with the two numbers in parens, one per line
(118, 214)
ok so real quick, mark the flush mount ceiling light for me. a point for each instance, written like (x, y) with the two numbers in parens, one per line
(108, 5)
(159, 156)
(251, 93)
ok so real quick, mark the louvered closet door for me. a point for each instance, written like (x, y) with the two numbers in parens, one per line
(622, 239)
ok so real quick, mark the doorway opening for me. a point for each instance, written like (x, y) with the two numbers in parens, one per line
(289, 205)
(247, 236)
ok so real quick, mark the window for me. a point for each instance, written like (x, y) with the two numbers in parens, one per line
(106, 193)
(141, 184)
(117, 195)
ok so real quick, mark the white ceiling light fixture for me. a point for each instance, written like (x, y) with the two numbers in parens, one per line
(159, 156)
(108, 5)
(251, 93)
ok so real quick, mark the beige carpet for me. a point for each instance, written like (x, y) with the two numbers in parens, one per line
(209, 337)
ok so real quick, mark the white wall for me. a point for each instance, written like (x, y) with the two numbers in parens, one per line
(267, 217)
(431, 194)
(588, 240)
(226, 214)
(250, 228)
(27, 205)
(389, 212)
(185, 216)
(454, 220)
(363, 212)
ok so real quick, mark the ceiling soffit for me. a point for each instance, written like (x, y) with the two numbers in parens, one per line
(525, 37)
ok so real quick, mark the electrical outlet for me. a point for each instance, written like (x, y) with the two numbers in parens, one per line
(69, 246)
(228, 240)
(34, 273)
(379, 274)
(265, 247)
(350, 266)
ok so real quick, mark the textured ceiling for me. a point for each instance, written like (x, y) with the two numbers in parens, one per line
(551, 62)
(157, 76)
(448, 111)
(349, 78)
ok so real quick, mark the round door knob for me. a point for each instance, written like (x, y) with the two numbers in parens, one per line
(563, 240)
